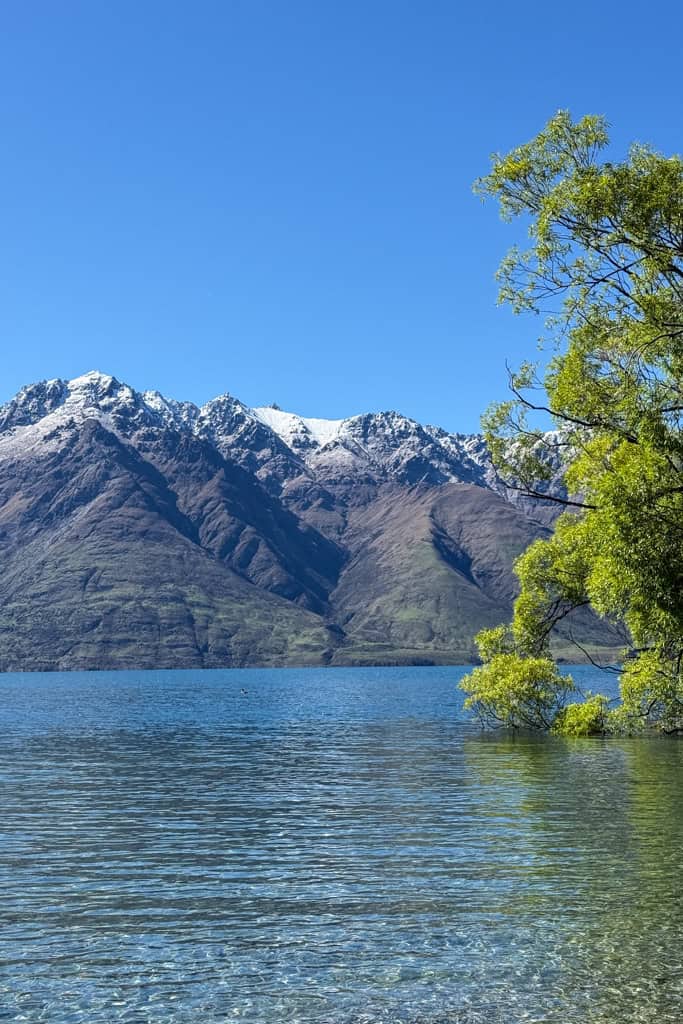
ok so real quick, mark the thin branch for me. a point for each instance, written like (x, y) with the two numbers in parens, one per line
(605, 424)
(603, 668)
(529, 493)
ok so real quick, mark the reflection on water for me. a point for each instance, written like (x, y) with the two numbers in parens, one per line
(336, 846)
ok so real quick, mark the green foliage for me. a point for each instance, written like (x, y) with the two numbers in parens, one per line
(606, 255)
(652, 690)
(589, 718)
(511, 690)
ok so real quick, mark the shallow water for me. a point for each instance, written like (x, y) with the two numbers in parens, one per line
(337, 845)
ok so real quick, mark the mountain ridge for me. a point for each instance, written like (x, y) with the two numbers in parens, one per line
(99, 393)
(142, 531)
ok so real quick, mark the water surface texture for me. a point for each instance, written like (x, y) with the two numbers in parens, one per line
(333, 846)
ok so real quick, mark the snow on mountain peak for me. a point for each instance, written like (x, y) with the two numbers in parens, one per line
(39, 410)
(91, 379)
(176, 414)
(278, 446)
(299, 431)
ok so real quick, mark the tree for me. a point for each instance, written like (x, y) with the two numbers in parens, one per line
(605, 262)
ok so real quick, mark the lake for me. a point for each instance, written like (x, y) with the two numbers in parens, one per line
(337, 845)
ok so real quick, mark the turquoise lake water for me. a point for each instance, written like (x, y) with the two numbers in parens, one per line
(336, 846)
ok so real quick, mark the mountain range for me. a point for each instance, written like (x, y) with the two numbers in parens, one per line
(137, 531)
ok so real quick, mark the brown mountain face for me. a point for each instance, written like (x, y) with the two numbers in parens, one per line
(136, 532)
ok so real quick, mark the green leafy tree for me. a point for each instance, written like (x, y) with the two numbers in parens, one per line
(605, 264)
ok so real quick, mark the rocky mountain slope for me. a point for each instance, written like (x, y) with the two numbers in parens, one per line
(138, 531)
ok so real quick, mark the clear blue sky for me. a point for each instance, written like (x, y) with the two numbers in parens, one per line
(273, 198)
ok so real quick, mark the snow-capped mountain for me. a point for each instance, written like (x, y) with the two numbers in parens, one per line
(137, 530)
(275, 444)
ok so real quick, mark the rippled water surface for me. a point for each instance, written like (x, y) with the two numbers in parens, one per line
(337, 846)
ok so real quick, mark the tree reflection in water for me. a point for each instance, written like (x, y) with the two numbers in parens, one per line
(586, 849)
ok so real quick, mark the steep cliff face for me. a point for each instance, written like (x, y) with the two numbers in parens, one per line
(138, 531)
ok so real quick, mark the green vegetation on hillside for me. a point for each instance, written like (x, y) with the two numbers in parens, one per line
(606, 256)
